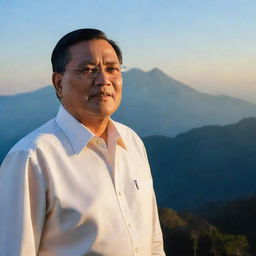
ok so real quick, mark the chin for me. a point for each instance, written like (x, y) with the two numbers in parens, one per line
(101, 113)
(103, 110)
(106, 111)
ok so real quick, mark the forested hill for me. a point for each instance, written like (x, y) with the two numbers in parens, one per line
(189, 235)
(226, 229)
(233, 217)
(213, 163)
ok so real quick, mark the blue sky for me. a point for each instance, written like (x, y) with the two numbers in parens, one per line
(207, 44)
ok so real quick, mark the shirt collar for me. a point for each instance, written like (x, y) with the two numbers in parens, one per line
(113, 134)
(78, 134)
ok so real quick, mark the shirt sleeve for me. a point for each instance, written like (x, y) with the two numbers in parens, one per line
(157, 242)
(22, 205)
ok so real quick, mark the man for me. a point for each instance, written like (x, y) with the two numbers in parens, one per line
(80, 184)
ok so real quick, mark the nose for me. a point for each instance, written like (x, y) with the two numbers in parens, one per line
(102, 78)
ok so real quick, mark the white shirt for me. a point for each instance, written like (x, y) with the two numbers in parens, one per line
(63, 192)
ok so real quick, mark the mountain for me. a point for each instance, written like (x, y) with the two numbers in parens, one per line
(153, 104)
(212, 163)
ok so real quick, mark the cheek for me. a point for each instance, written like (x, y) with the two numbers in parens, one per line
(120, 93)
(119, 88)
(118, 97)
(75, 91)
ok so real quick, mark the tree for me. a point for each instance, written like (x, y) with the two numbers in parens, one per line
(234, 244)
(194, 235)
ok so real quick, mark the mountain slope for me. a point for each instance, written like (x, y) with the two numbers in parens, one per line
(169, 107)
(21, 113)
(212, 163)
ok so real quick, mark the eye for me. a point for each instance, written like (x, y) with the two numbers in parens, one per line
(113, 69)
(88, 70)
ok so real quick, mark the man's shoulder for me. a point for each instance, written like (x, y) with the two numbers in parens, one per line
(37, 138)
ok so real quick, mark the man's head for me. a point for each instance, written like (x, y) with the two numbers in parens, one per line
(61, 56)
(87, 74)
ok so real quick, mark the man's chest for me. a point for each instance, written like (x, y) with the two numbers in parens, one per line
(92, 192)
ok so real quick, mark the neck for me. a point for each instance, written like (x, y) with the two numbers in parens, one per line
(98, 126)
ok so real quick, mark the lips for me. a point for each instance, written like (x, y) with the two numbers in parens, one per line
(102, 94)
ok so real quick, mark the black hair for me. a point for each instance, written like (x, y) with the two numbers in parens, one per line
(60, 55)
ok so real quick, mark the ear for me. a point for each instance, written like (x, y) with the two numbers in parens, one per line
(57, 83)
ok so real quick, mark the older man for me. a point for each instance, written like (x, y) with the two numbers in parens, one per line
(80, 184)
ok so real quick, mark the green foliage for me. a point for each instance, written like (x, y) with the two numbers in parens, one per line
(188, 235)
(233, 217)
(170, 219)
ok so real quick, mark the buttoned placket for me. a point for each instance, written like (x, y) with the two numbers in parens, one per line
(124, 209)
(128, 221)
(102, 147)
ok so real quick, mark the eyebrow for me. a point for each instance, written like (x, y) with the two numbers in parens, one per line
(89, 62)
(86, 62)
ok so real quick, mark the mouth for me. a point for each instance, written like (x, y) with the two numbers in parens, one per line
(102, 95)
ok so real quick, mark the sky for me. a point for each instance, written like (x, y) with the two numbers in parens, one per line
(209, 45)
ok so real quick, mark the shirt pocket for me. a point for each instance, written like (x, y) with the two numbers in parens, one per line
(144, 190)
(143, 184)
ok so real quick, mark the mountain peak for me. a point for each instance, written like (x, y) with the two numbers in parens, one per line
(156, 70)
(132, 70)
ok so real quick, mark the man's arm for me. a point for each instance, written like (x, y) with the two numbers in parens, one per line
(157, 243)
(22, 205)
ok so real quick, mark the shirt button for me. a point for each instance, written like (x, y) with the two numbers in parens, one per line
(129, 225)
(119, 193)
(137, 250)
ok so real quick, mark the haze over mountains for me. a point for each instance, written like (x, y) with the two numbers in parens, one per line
(153, 104)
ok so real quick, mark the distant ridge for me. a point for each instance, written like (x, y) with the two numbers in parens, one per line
(208, 164)
(22, 113)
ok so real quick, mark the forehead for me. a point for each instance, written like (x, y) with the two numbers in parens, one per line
(92, 50)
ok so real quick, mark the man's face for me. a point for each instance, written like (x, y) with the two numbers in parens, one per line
(91, 85)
